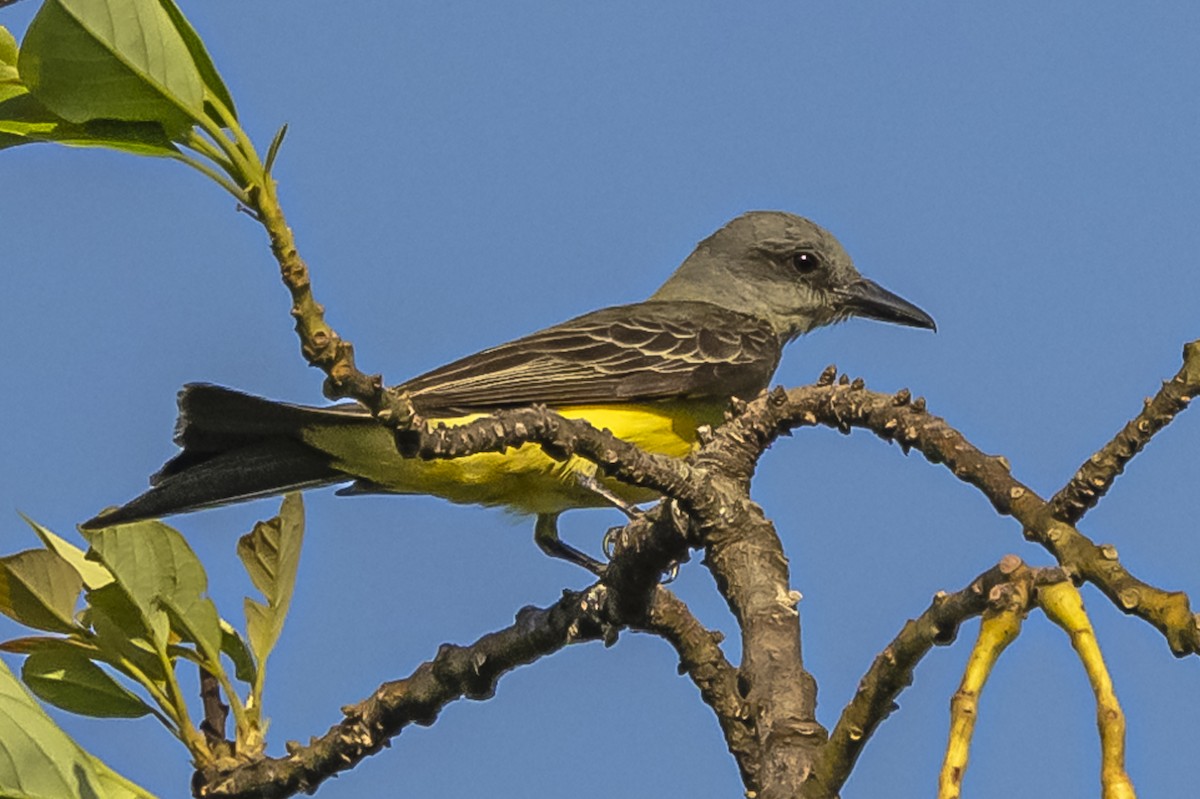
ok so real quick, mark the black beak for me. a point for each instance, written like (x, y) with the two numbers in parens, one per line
(868, 299)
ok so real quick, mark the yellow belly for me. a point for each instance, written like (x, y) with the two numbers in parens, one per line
(525, 479)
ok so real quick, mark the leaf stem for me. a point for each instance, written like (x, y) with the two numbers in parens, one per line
(244, 165)
(188, 733)
(222, 181)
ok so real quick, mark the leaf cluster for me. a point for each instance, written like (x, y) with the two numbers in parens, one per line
(130, 611)
(128, 75)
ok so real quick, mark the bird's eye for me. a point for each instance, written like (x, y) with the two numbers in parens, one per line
(805, 262)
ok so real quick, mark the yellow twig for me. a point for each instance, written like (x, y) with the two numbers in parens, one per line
(997, 631)
(1064, 606)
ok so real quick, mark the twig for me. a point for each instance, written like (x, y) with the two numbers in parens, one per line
(1001, 624)
(215, 713)
(1063, 605)
(892, 672)
(320, 344)
(700, 657)
(1097, 474)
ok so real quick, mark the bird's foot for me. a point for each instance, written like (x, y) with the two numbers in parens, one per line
(609, 544)
(545, 534)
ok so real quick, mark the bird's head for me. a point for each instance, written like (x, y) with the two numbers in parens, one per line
(787, 271)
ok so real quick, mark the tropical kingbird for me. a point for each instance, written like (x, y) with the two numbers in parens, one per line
(652, 373)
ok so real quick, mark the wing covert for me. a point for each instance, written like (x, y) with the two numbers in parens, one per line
(633, 353)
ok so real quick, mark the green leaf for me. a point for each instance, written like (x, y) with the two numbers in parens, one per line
(9, 90)
(273, 151)
(69, 680)
(39, 589)
(271, 554)
(112, 59)
(159, 571)
(139, 138)
(8, 48)
(236, 650)
(38, 759)
(40, 643)
(94, 575)
(8, 59)
(23, 120)
(150, 560)
(204, 63)
(122, 634)
(199, 623)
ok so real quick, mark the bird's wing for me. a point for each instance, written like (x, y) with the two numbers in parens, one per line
(632, 353)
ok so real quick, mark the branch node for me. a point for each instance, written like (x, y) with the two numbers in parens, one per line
(1010, 564)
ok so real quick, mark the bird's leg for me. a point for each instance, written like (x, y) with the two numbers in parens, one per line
(545, 533)
(589, 482)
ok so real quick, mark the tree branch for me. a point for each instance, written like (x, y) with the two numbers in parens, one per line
(1097, 474)
(456, 672)
(892, 672)
(320, 344)
(646, 548)
(901, 419)
(701, 658)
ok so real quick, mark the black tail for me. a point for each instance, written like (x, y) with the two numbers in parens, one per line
(235, 447)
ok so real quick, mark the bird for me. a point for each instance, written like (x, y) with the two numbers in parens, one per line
(653, 373)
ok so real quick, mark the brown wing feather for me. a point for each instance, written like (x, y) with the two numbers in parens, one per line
(633, 353)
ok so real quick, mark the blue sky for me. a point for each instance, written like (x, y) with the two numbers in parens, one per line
(461, 173)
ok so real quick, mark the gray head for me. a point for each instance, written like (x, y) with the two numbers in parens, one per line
(787, 271)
